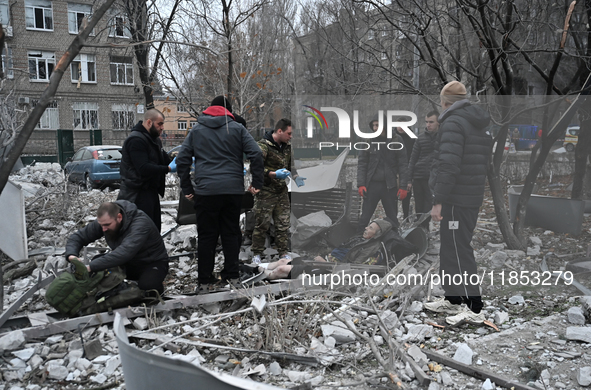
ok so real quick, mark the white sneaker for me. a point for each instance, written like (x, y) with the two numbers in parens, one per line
(256, 259)
(443, 306)
(468, 316)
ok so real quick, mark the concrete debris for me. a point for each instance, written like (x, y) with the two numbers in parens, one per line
(576, 316)
(494, 247)
(498, 259)
(464, 354)
(584, 376)
(534, 251)
(140, 323)
(275, 369)
(536, 240)
(517, 300)
(500, 317)
(418, 332)
(340, 334)
(11, 341)
(578, 333)
(488, 385)
(259, 303)
(417, 355)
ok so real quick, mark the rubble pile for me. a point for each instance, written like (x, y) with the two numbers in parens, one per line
(351, 338)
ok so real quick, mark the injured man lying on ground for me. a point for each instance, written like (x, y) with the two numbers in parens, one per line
(366, 248)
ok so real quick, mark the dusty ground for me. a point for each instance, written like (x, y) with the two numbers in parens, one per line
(531, 345)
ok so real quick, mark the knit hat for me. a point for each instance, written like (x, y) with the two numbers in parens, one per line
(384, 226)
(452, 92)
(222, 101)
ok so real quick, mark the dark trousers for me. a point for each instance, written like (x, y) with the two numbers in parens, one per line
(423, 199)
(218, 215)
(457, 256)
(376, 191)
(149, 202)
(149, 276)
(406, 204)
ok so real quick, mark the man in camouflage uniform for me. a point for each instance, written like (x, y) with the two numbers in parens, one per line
(273, 200)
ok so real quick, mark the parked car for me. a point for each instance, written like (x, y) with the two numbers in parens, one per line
(95, 166)
(571, 138)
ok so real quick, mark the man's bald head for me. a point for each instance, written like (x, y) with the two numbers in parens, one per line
(154, 122)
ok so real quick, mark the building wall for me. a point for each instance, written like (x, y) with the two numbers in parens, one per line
(102, 92)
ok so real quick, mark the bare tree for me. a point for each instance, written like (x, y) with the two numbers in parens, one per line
(47, 96)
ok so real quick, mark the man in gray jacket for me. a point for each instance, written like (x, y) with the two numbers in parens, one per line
(135, 244)
(218, 144)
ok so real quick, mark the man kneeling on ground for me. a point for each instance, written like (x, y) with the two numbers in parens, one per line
(135, 243)
(360, 249)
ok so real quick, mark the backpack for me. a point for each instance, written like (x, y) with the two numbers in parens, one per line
(80, 293)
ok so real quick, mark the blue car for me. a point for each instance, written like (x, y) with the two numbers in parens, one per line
(95, 166)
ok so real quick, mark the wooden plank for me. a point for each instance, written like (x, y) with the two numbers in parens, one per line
(476, 372)
(71, 324)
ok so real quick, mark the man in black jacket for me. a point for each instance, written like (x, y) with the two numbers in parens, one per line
(459, 178)
(419, 166)
(378, 169)
(144, 165)
(135, 244)
(218, 144)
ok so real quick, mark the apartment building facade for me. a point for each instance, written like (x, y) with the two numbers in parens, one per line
(99, 93)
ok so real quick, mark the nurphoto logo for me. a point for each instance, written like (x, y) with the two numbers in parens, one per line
(393, 118)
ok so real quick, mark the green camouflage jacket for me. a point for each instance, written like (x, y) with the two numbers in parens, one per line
(274, 159)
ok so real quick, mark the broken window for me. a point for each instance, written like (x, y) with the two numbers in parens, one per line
(119, 27)
(85, 116)
(121, 70)
(123, 116)
(41, 64)
(76, 15)
(83, 68)
(50, 118)
(6, 63)
(38, 15)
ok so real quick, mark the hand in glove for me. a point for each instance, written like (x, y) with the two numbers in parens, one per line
(244, 171)
(299, 181)
(362, 191)
(172, 165)
(402, 194)
(282, 173)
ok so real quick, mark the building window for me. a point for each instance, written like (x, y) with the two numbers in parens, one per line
(384, 33)
(4, 14)
(119, 27)
(384, 55)
(180, 108)
(123, 116)
(50, 118)
(41, 64)
(76, 15)
(83, 68)
(530, 89)
(121, 70)
(192, 124)
(370, 34)
(182, 125)
(6, 63)
(85, 116)
(38, 15)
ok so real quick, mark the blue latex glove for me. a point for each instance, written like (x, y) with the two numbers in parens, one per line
(172, 165)
(244, 171)
(282, 173)
(299, 181)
